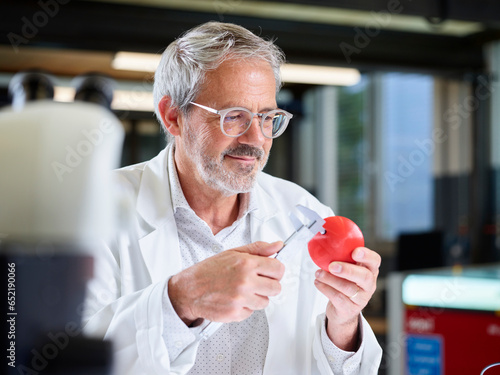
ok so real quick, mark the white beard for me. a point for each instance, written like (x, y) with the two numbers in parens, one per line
(215, 174)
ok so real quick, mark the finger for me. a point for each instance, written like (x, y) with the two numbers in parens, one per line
(261, 248)
(264, 266)
(357, 274)
(271, 268)
(339, 300)
(346, 288)
(257, 302)
(368, 258)
(267, 287)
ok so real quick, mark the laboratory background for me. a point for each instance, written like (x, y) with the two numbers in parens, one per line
(396, 125)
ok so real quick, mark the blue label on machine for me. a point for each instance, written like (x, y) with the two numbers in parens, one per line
(424, 355)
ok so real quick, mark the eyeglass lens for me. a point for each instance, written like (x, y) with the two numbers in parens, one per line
(236, 122)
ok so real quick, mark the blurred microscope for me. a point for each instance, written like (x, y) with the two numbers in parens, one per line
(56, 204)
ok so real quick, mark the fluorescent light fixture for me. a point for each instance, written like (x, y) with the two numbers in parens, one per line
(319, 75)
(291, 73)
(388, 18)
(141, 62)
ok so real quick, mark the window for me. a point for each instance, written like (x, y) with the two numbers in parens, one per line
(406, 189)
(352, 153)
(382, 159)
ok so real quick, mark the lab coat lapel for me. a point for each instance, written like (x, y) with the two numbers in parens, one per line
(159, 247)
(160, 250)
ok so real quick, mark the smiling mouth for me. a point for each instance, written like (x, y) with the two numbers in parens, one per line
(246, 159)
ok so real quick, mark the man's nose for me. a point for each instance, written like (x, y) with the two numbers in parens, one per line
(253, 136)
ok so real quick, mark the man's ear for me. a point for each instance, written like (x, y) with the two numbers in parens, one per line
(169, 115)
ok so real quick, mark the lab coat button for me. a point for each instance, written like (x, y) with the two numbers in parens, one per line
(220, 357)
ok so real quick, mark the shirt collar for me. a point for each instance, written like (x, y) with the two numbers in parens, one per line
(248, 201)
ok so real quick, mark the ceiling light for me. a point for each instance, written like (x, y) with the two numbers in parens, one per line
(142, 62)
(319, 75)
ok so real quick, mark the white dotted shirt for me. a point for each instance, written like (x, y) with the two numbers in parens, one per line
(239, 347)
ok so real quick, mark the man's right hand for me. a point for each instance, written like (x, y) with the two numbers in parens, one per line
(229, 286)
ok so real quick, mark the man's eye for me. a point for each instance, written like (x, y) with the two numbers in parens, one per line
(234, 117)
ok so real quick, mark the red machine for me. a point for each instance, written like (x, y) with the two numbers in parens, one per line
(444, 341)
(445, 323)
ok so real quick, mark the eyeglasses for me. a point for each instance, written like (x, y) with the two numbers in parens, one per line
(234, 122)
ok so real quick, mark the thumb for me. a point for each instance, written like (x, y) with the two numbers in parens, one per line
(261, 248)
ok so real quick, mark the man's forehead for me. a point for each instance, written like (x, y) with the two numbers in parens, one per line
(238, 67)
(240, 84)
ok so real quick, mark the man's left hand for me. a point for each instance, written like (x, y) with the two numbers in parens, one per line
(348, 287)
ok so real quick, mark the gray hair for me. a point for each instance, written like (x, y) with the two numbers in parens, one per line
(184, 63)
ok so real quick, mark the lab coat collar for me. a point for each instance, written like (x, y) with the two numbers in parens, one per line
(154, 203)
(159, 246)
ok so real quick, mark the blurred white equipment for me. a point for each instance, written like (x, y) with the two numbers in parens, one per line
(55, 160)
(56, 204)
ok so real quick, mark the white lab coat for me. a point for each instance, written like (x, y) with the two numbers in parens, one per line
(125, 300)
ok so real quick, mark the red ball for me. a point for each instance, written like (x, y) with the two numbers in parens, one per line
(337, 244)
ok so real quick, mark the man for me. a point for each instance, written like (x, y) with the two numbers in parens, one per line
(207, 224)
